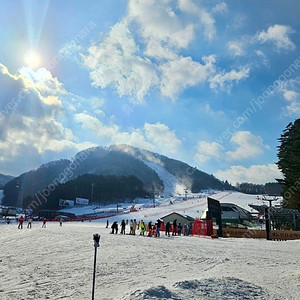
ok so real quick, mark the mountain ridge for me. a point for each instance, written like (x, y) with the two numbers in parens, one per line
(119, 160)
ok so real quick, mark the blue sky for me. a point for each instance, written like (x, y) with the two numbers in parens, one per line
(211, 83)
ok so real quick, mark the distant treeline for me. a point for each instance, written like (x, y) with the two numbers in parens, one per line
(97, 188)
(271, 188)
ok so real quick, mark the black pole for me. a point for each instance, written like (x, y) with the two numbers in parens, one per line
(267, 219)
(94, 275)
(96, 245)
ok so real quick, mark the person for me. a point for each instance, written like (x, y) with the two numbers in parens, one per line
(7, 220)
(44, 223)
(158, 225)
(21, 220)
(131, 227)
(107, 223)
(185, 230)
(179, 229)
(168, 226)
(134, 226)
(123, 226)
(150, 228)
(60, 221)
(29, 222)
(175, 228)
(143, 227)
(114, 227)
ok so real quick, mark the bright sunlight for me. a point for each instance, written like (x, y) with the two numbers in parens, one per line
(32, 59)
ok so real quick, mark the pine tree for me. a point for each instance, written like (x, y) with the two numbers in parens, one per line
(289, 164)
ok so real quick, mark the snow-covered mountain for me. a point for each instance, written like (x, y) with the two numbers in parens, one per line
(158, 173)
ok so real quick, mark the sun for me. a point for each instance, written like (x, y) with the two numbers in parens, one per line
(32, 59)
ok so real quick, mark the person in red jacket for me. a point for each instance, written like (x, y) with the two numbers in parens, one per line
(21, 220)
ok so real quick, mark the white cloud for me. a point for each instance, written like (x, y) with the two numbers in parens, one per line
(291, 93)
(236, 48)
(279, 35)
(162, 137)
(220, 8)
(31, 117)
(142, 51)
(157, 19)
(207, 151)
(225, 79)
(114, 62)
(258, 174)
(205, 18)
(183, 72)
(247, 145)
(151, 136)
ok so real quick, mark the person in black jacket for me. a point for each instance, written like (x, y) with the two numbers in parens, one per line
(123, 226)
(175, 228)
(168, 226)
(158, 224)
(114, 227)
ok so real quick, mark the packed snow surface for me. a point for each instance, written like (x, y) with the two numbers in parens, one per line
(57, 262)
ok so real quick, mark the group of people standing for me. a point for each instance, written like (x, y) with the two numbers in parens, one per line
(151, 229)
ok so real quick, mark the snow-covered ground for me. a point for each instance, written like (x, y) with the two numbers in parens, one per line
(57, 262)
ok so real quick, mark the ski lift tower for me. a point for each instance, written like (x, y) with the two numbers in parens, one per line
(267, 215)
(269, 200)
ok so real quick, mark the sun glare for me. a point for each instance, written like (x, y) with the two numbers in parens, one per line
(32, 59)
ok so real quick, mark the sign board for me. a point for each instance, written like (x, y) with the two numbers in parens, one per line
(66, 203)
(214, 211)
(82, 201)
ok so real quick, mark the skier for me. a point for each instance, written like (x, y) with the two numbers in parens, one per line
(21, 220)
(123, 226)
(60, 221)
(44, 223)
(107, 223)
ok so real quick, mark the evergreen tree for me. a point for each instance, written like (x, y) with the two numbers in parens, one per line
(289, 164)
